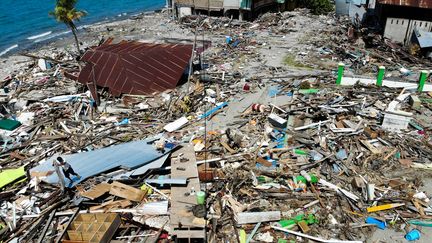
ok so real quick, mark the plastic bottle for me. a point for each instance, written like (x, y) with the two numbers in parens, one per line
(413, 235)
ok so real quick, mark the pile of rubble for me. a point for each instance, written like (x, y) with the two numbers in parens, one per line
(273, 156)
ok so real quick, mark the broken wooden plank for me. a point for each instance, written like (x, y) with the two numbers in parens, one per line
(256, 217)
(97, 191)
(369, 146)
(181, 218)
(124, 191)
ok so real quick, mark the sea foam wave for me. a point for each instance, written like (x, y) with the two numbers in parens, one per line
(51, 36)
(39, 36)
(8, 49)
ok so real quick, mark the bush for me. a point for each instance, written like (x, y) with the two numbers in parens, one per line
(318, 6)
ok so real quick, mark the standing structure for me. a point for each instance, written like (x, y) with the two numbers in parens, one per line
(241, 8)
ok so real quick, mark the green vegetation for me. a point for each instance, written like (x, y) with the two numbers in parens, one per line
(291, 61)
(318, 6)
(66, 13)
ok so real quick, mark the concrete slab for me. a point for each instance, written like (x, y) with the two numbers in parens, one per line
(388, 83)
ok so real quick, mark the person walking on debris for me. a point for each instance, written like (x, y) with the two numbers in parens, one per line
(67, 168)
(59, 175)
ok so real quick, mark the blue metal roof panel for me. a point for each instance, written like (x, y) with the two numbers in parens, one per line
(87, 164)
(424, 38)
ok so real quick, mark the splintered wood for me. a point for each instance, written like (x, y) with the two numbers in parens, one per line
(124, 191)
(183, 222)
(97, 191)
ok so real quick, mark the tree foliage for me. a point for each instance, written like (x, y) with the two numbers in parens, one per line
(66, 13)
(318, 6)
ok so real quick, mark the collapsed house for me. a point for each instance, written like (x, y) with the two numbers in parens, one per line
(401, 18)
(399, 21)
(134, 68)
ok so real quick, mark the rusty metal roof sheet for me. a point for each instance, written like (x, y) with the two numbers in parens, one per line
(135, 68)
(409, 3)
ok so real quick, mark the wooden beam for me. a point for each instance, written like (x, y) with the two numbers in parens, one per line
(183, 222)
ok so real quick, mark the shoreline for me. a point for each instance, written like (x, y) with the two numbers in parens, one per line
(38, 40)
(131, 27)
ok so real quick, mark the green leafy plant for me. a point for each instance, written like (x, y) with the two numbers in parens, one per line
(66, 13)
(318, 6)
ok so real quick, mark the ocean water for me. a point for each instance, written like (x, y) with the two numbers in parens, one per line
(25, 23)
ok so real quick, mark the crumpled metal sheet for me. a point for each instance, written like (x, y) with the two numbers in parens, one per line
(135, 68)
(129, 155)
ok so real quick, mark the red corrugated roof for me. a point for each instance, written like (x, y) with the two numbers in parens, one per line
(134, 67)
(409, 3)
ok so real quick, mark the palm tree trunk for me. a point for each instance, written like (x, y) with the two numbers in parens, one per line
(76, 40)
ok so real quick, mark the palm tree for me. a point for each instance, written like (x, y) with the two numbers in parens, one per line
(65, 12)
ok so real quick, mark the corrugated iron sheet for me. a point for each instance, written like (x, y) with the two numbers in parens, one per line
(134, 67)
(130, 155)
(424, 38)
(409, 3)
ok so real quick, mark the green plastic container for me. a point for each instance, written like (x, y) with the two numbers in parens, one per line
(314, 179)
(200, 197)
(300, 152)
(301, 178)
(287, 223)
(263, 179)
(308, 91)
(8, 124)
(311, 219)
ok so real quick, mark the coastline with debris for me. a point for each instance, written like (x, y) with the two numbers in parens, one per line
(269, 139)
(133, 26)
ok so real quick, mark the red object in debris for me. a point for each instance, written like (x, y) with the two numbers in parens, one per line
(164, 236)
(134, 68)
(258, 107)
(246, 87)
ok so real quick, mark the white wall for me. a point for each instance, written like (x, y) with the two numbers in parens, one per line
(185, 11)
(396, 28)
(400, 30)
(420, 25)
(231, 4)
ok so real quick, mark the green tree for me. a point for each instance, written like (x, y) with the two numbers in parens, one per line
(318, 6)
(66, 13)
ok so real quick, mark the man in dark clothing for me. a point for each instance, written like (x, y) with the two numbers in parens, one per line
(67, 169)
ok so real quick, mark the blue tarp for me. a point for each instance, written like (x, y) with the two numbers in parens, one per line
(129, 155)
